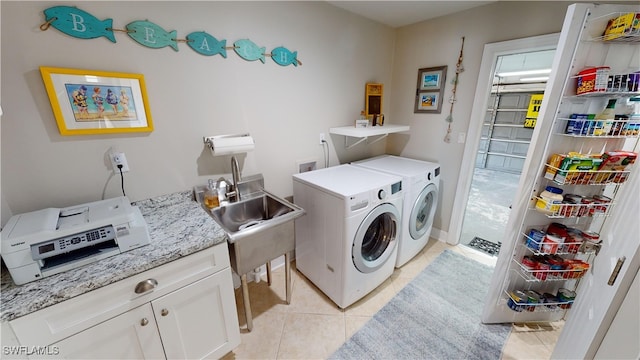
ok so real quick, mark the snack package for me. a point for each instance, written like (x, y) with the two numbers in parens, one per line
(614, 165)
(577, 169)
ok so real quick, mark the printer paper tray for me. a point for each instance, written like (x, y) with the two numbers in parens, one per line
(56, 264)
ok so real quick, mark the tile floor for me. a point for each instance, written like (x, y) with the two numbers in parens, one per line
(313, 327)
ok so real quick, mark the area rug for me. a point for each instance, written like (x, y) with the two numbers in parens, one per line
(436, 316)
(485, 245)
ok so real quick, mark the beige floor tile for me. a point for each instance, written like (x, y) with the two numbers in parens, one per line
(313, 327)
(412, 267)
(354, 323)
(311, 336)
(523, 346)
(399, 282)
(433, 249)
(263, 341)
(307, 298)
(372, 302)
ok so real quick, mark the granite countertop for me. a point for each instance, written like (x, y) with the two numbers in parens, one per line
(178, 226)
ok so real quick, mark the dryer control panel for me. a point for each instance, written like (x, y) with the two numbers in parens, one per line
(397, 187)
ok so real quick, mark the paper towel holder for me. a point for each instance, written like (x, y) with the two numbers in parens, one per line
(229, 144)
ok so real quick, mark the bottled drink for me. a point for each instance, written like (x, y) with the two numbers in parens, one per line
(604, 120)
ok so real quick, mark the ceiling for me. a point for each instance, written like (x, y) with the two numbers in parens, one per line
(401, 13)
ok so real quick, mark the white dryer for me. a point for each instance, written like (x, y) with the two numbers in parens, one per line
(421, 181)
(346, 244)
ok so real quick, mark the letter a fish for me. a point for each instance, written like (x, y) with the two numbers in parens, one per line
(284, 57)
(205, 44)
(247, 50)
(151, 35)
(77, 23)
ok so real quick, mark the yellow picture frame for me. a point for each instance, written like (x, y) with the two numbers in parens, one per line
(91, 102)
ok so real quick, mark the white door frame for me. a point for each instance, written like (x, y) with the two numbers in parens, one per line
(480, 105)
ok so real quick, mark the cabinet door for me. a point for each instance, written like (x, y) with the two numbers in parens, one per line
(200, 320)
(132, 335)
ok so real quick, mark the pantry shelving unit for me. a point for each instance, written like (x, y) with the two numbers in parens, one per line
(592, 50)
(363, 134)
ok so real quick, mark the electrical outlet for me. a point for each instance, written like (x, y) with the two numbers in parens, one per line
(322, 139)
(119, 159)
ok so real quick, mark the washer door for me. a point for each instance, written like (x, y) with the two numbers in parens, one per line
(376, 238)
(423, 211)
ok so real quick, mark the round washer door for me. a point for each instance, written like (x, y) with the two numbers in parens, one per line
(423, 210)
(376, 238)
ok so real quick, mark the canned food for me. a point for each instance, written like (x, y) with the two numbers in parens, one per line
(574, 208)
(533, 299)
(550, 300)
(529, 263)
(542, 270)
(591, 236)
(565, 298)
(600, 204)
(517, 300)
(551, 243)
(557, 229)
(534, 239)
(585, 206)
(557, 263)
(573, 241)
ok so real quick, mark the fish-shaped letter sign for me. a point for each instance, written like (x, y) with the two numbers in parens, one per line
(151, 35)
(77, 23)
(205, 44)
(282, 56)
(247, 50)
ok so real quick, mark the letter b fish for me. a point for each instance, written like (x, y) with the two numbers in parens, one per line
(77, 23)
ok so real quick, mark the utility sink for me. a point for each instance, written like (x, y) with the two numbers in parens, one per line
(259, 229)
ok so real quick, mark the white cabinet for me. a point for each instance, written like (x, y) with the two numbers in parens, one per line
(132, 335)
(186, 311)
(195, 321)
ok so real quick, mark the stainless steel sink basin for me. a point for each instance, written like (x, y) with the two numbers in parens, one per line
(259, 229)
(253, 215)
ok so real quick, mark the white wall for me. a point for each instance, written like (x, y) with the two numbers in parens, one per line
(190, 95)
(437, 42)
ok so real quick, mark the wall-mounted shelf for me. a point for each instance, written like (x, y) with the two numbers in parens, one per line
(364, 133)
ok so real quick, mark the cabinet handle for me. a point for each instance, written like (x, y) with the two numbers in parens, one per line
(164, 312)
(144, 322)
(144, 286)
(616, 271)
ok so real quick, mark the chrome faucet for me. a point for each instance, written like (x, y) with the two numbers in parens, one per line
(235, 174)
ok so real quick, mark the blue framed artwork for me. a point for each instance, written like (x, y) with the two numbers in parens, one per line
(430, 88)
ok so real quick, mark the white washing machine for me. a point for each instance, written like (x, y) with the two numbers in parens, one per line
(346, 243)
(421, 182)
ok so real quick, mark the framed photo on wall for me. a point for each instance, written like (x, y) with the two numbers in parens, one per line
(87, 102)
(430, 87)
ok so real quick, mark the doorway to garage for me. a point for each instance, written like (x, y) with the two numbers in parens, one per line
(518, 83)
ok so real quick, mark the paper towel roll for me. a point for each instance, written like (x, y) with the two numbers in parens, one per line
(224, 145)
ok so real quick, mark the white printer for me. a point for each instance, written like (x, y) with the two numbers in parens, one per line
(49, 241)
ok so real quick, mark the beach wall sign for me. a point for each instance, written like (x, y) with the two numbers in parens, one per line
(82, 25)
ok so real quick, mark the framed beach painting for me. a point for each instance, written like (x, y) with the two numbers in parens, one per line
(88, 102)
(429, 90)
